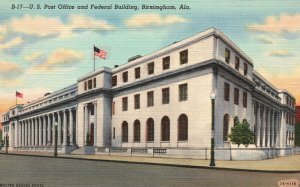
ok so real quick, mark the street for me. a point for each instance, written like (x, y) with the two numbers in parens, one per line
(44, 172)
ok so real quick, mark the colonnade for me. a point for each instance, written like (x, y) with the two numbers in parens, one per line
(39, 130)
(266, 125)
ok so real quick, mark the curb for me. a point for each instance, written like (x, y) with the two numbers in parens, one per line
(158, 164)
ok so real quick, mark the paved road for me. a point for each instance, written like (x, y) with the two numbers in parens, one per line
(32, 171)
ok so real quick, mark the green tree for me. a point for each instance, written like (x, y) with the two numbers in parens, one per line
(297, 134)
(241, 134)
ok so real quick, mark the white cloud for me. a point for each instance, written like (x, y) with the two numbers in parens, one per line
(60, 57)
(11, 43)
(285, 23)
(280, 53)
(37, 25)
(88, 23)
(34, 56)
(42, 26)
(146, 20)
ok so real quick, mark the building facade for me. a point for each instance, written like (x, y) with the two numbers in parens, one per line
(160, 104)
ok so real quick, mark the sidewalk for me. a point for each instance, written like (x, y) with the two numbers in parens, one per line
(282, 164)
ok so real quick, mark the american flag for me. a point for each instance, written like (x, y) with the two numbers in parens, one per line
(19, 94)
(100, 53)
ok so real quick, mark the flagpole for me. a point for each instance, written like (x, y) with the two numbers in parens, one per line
(94, 56)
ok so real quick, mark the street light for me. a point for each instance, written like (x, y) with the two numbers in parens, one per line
(6, 144)
(55, 139)
(212, 148)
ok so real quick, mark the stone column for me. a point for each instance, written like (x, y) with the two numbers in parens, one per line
(17, 134)
(85, 123)
(32, 131)
(262, 129)
(29, 132)
(26, 132)
(36, 132)
(53, 128)
(20, 134)
(95, 124)
(49, 130)
(23, 133)
(75, 132)
(65, 127)
(45, 130)
(59, 128)
(71, 126)
(40, 131)
(274, 128)
(270, 128)
(257, 121)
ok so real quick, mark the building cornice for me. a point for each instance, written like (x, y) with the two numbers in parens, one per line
(181, 44)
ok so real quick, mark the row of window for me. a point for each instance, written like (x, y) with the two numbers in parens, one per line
(290, 102)
(289, 138)
(90, 84)
(237, 62)
(52, 100)
(165, 129)
(5, 128)
(183, 58)
(289, 119)
(183, 96)
(236, 95)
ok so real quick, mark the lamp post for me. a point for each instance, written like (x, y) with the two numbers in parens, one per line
(6, 144)
(212, 148)
(55, 139)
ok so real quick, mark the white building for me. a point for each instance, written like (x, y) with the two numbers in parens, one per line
(160, 104)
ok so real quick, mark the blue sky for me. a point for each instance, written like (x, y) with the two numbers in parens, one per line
(45, 50)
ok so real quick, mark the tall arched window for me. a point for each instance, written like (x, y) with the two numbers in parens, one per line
(136, 131)
(150, 129)
(182, 128)
(165, 129)
(225, 127)
(124, 131)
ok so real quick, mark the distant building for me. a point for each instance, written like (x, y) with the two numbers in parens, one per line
(160, 104)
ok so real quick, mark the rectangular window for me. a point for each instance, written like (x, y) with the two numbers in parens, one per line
(244, 99)
(125, 103)
(150, 98)
(137, 101)
(90, 84)
(92, 110)
(137, 72)
(245, 69)
(237, 63)
(183, 57)
(236, 96)
(150, 68)
(226, 91)
(165, 96)
(114, 133)
(114, 80)
(166, 63)
(95, 83)
(227, 55)
(183, 92)
(85, 86)
(113, 108)
(125, 76)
